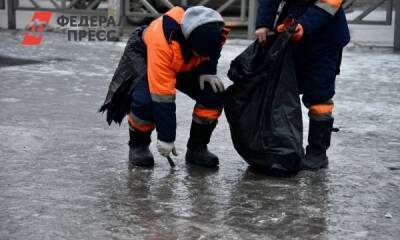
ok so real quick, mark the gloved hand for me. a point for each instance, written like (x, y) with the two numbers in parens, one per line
(262, 35)
(165, 148)
(213, 80)
(298, 32)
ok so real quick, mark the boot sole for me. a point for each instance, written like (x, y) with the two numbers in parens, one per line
(323, 166)
(189, 162)
(141, 164)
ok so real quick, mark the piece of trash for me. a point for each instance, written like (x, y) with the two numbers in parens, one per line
(394, 168)
(388, 215)
(171, 163)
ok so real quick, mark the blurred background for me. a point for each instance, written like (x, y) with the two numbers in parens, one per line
(372, 22)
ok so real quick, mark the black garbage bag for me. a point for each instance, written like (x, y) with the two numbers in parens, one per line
(263, 107)
(131, 68)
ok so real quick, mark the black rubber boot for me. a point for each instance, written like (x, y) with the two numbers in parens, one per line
(319, 140)
(139, 152)
(197, 152)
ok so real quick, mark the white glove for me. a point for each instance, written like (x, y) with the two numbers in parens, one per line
(213, 80)
(165, 148)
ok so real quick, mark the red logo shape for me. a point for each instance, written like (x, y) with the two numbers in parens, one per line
(40, 20)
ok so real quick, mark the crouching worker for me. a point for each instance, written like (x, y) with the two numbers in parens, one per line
(320, 36)
(182, 51)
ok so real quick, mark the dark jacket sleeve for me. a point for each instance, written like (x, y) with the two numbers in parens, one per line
(266, 13)
(319, 14)
(313, 19)
(165, 118)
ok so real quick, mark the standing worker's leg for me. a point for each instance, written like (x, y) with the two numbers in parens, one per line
(141, 125)
(319, 88)
(319, 135)
(206, 112)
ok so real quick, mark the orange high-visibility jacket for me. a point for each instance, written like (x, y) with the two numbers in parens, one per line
(167, 55)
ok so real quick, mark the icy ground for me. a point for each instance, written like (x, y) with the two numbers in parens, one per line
(64, 173)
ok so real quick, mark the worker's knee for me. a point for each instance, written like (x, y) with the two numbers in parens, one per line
(206, 114)
(320, 111)
(140, 124)
(318, 89)
(208, 98)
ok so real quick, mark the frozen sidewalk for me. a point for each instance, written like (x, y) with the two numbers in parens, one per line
(64, 174)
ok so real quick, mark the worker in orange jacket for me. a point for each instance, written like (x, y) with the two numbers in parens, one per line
(182, 51)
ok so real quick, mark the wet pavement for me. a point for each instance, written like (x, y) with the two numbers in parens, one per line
(64, 172)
